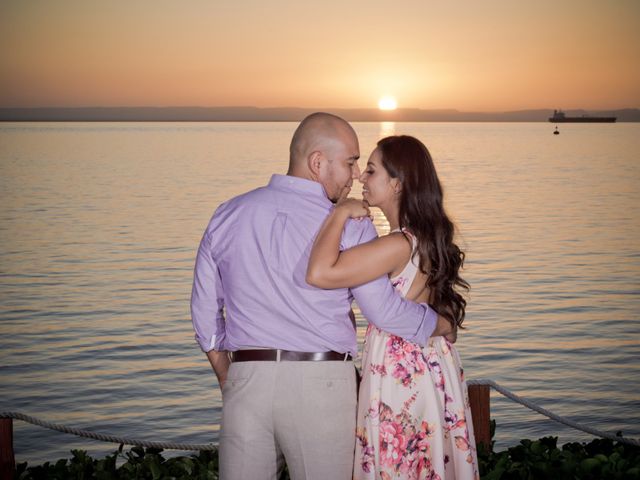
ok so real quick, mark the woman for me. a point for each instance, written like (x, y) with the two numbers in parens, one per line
(413, 419)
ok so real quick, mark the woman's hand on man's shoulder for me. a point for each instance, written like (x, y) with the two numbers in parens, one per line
(353, 208)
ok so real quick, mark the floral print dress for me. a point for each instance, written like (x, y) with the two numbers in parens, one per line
(414, 419)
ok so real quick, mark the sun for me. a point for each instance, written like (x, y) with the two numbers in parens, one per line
(387, 103)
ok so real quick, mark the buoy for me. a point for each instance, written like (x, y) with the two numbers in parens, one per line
(556, 132)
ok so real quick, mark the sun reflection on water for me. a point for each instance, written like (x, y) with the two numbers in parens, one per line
(387, 129)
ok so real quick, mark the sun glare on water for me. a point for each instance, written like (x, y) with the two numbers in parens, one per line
(387, 103)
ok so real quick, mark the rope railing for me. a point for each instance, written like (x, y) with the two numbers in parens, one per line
(186, 446)
(537, 408)
(106, 437)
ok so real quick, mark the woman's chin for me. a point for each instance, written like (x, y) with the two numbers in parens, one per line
(367, 198)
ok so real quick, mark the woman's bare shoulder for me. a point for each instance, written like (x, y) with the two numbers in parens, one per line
(398, 240)
(395, 244)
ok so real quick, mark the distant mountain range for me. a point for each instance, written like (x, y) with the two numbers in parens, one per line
(255, 114)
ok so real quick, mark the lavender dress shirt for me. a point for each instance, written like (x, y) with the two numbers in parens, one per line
(249, 288)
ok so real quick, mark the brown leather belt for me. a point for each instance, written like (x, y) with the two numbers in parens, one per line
(287, 356)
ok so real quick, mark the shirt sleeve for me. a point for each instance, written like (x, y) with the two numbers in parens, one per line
(207, 299)
(382, 305)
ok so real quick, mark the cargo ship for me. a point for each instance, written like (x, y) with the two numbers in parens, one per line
(560, 117)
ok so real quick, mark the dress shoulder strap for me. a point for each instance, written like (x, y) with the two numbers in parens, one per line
(402, 282)
(414, 240)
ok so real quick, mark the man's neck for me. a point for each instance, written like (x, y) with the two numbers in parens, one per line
(306, 175)
(296, 172)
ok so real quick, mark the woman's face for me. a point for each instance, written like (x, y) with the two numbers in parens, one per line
(378, 188)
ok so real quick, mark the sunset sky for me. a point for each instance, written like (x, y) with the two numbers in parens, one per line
(489, 55)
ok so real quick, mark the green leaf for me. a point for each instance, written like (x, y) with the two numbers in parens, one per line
(156, 471)
(494, 475)
(188, 465)
(589, 465)
(633, 473)
(536, 447)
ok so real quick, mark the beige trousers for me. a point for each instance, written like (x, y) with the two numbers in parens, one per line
(303, 413)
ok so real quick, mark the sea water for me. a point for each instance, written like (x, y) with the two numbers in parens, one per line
(100, 222)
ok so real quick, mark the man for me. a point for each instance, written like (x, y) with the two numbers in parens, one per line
(289, 392)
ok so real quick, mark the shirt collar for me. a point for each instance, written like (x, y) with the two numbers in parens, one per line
(297, 184)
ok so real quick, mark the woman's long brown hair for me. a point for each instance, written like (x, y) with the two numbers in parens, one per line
(422, 213)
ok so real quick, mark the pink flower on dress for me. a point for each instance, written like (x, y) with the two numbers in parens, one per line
(455, 421)
(417, 461)
(406, 358)
(420, 362)
(462, 443)
(370, 327)
(378, 369)
(372, 412)
(392, 443)
(409, 348)
(367, 456)
(399, 282)
(395, 349)
(385, 413)
(400, 372)
(404, 445)
(407, 404)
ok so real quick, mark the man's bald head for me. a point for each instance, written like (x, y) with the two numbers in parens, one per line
(325, 149)
(316, 132)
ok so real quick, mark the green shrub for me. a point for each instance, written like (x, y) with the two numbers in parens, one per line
(542, 459)
(529, 460)
(139, 463)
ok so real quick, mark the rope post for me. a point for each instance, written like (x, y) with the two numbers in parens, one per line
(7, 458)
(480, 412)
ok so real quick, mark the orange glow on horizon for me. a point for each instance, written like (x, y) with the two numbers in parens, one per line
(476, 57)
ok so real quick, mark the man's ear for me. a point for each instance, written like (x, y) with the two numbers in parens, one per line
(314, 162)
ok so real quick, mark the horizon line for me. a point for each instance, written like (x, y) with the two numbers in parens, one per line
(290, 114)
(319, 109)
